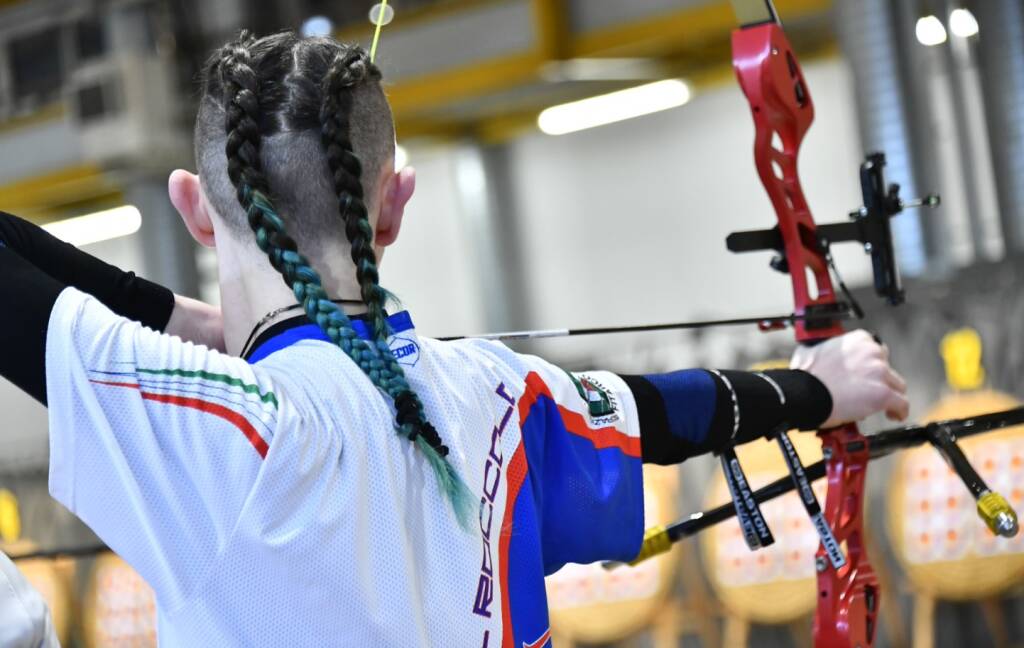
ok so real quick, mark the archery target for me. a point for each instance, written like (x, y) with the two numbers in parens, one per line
(945, 548)
(590, 604)
(790, 558)
(120, 608)
(775, 584)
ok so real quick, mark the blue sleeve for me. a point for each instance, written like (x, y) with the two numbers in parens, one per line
(583, 453)
(689, 402)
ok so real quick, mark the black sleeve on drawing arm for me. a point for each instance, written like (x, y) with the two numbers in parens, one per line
(122, 292)
(28, 295)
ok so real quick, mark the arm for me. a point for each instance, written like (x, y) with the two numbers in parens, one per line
(688, 413)
(122, 292)
(586, 434)
(155, 443)
(146, 430)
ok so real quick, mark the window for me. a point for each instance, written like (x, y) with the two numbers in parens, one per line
(91, 103)
(97, 101)
(90, 39)
(37, 68)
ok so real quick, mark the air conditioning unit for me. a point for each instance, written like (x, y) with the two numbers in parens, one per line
(127, 111)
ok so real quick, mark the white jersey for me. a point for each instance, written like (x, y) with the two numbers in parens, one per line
(270, 502)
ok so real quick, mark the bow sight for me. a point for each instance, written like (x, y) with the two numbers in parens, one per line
(869, 225)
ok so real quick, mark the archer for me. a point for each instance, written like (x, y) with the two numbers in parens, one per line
(274, 470)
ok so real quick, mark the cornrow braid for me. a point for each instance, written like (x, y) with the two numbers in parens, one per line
(242, 110)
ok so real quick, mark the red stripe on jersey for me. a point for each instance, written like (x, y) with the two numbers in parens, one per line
(515, 476)
(606, 437)
(218, 410)
(540, 643)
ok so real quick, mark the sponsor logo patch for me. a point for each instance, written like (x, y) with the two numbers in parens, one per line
(405, 350)
(601, 404)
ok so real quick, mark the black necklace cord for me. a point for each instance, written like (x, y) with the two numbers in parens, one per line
(284, 309)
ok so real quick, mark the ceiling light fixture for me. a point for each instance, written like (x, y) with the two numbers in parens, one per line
(100, 226)
(317, 26)
(614, 107)
(963, 23)
(930, 31)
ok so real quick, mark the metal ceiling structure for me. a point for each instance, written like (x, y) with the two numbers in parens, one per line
(485, 68)
(478, 69)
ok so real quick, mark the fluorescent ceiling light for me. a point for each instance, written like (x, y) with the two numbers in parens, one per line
(317, 26)
(930, 31)
(613, 107)
(401, 157)
(101, 226)
(962, 23)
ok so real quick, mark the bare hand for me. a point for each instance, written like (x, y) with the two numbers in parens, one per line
(855, 369)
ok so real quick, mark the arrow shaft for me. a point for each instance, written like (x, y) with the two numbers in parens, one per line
(771, 321)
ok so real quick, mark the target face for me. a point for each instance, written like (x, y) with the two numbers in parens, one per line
(120, 608)
(774, 584)
(944, 547)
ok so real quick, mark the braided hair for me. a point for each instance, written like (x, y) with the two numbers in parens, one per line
(280, 72)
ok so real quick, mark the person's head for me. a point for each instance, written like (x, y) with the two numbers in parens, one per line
(294, 141)
(316, 149)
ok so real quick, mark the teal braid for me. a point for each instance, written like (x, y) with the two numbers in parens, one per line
(347, 71)
(373, 357)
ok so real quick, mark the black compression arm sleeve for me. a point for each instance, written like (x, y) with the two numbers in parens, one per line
(29, 295)
(764, 401)
(122, 292)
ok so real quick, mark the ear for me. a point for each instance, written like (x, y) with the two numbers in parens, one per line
(397, 190)
(187, 197)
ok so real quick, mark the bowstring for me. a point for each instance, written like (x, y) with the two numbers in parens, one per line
(379, 27)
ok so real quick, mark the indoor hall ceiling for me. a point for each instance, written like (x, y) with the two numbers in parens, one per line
(486, 67)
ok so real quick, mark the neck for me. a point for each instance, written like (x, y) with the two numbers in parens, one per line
(249, 291)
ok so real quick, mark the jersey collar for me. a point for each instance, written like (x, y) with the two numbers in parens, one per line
(286, 333)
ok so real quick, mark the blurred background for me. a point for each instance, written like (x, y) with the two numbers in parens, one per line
(523, 221)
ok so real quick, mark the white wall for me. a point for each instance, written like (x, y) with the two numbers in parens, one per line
(430, 267)
(629, 221)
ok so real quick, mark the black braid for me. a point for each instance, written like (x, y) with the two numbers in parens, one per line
(349, 70)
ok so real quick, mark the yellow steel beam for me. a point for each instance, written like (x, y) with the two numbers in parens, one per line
(49, 112)
(677, 30)
(686, 29)
(502, 128)
(551, 24)
(42, 196)
(437, 89)
(360, 32)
